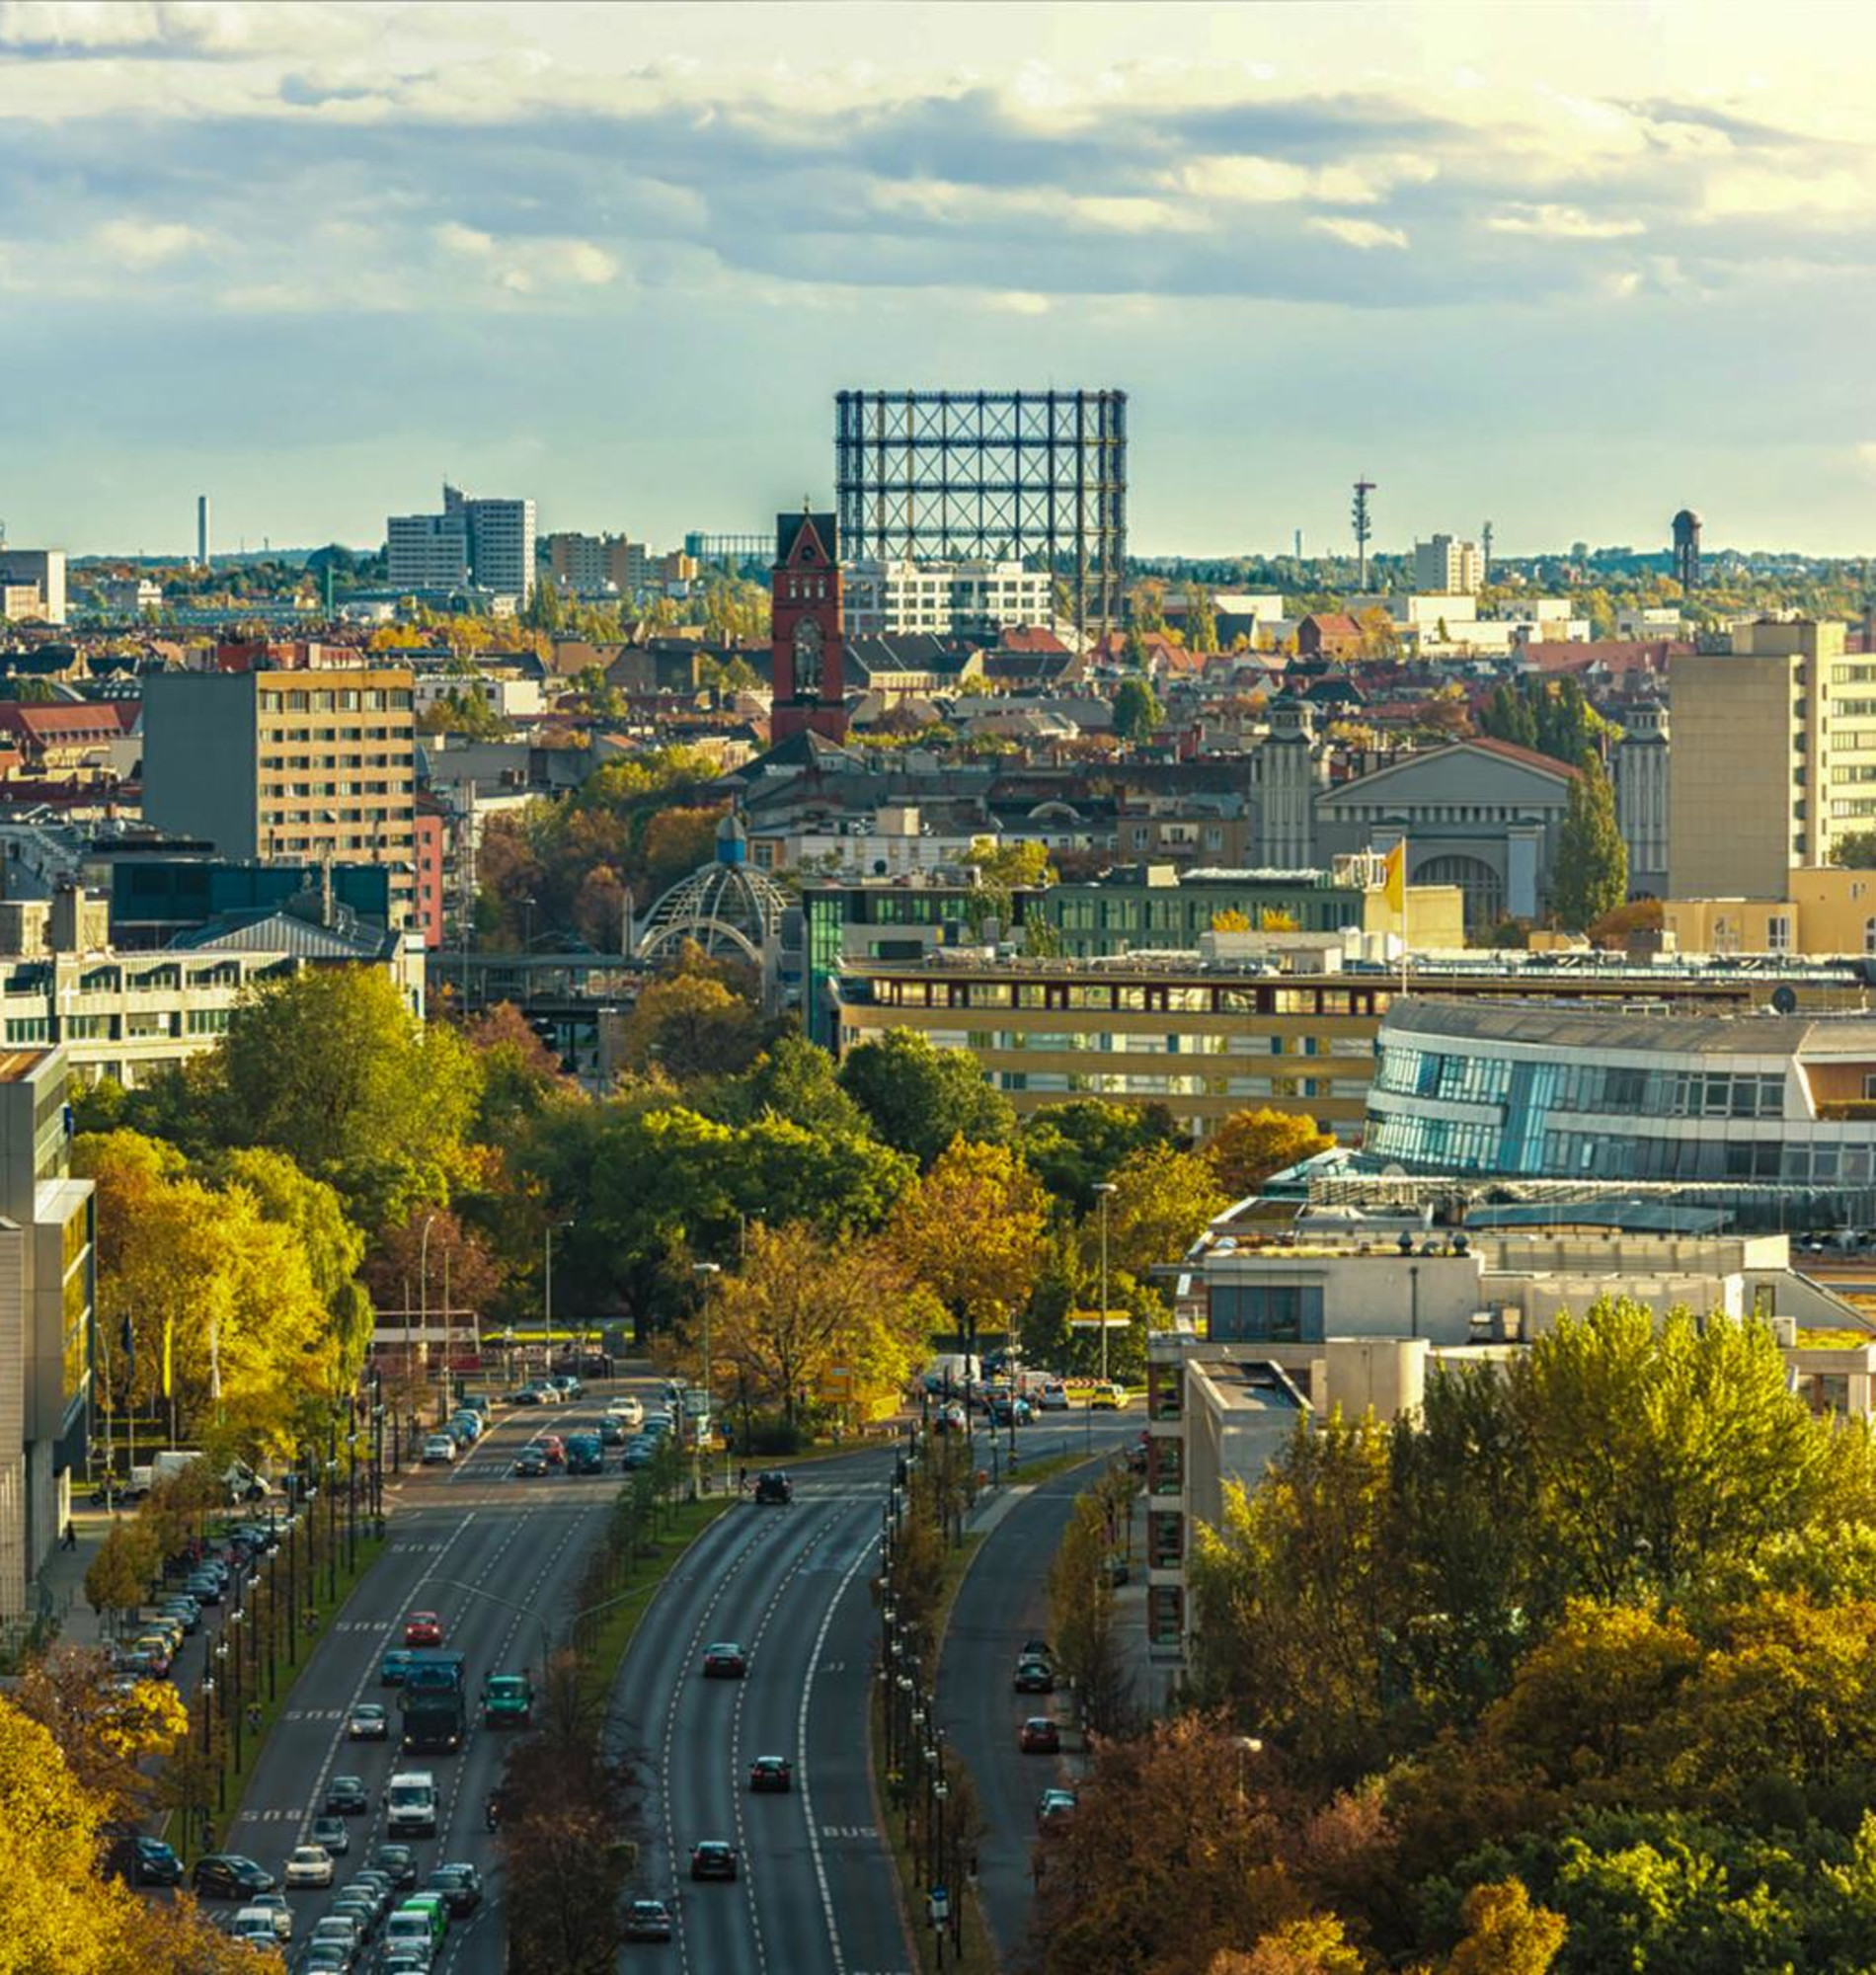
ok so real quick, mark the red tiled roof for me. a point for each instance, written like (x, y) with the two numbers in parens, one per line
(1529, 758)
(41, 721)
(1334, 623)
(1619, 655)
(1029, 638)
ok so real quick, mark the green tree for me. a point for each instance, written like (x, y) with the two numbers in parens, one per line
(1855, 849)
(333, 1069)
(794, 1081)
(1250, 1146)
(970, 1230)
(1163, 1200)
(1508, 715)
(1136, 710)
(1506, 1933)
(1591, 873)
(691, 1026)
(1075, 1146)
(1082, 1611)
(920, 1097)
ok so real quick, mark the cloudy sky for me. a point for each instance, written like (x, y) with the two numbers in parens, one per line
(1569, 266)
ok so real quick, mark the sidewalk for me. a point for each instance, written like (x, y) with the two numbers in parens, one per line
(62, 1582)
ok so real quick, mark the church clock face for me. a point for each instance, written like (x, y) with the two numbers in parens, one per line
(806, 652)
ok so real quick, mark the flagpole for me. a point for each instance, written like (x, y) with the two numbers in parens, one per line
(1403, 915)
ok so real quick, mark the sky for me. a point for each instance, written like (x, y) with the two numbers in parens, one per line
(1568, 268)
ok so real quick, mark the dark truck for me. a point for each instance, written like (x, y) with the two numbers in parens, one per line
(434, 1711)
(508, 1701)
(585, 1453)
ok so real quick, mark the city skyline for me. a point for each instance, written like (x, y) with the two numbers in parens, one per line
(313, 259)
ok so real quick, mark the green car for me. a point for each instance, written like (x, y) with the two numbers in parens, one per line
(508, 1701)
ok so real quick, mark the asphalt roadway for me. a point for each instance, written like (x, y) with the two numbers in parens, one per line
(816, 1893)
(498, 1560)
(1004, 1601)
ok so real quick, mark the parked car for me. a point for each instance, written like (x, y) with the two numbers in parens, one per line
(771, 1772)
(1055, 1808)
(228, 1875)
(713, 1860)
(1038, 1736)
(724, 1661)
(143, 1861)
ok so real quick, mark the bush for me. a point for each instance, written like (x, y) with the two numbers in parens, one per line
(773, 1433)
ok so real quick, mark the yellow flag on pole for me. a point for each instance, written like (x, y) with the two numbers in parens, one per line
(1394, 880)
(168, 1337)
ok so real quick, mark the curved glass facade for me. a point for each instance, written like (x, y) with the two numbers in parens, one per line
(1526, 1093)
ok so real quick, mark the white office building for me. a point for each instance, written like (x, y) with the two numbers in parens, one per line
(487, 544)
(1448, 567)
(42, 567)
(945, 599)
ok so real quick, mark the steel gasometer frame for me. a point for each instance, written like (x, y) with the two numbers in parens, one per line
(947, 476)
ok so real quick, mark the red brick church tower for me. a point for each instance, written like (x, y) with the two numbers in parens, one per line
(808, 644)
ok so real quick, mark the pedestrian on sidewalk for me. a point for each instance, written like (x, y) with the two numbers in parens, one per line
(70, 1538)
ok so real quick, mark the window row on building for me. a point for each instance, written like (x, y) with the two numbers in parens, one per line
(1471, 1077)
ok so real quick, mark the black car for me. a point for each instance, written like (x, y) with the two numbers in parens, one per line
(346, 1796)
(532, 1463)
(611, 1431)
(772, 1486)
(143, 1861)
(1035, 1677)
(713, 1860)
(398, 1863)
(771, 1772)
(228, 1875)
(460, 1886)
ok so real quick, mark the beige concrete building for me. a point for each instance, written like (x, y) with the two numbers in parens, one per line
(1774, 759)
(1281, 1331)
(1823, 910)
(306, 765)
(1207, 1033)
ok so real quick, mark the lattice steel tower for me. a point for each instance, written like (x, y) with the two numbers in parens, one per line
(945, 476)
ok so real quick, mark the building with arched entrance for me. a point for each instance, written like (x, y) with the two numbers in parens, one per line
(1483, 816)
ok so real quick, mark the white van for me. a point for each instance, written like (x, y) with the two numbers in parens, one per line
(410, 1804)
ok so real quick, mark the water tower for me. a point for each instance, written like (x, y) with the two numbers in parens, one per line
(1686, 549)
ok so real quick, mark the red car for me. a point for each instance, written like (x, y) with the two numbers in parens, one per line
(1038, 1736)
(724, 1661)
(551, 1444)
(422, 1629)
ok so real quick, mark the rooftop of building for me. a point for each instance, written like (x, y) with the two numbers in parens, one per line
(1741, 1032)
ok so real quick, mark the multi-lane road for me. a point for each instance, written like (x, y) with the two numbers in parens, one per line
(498, 1560)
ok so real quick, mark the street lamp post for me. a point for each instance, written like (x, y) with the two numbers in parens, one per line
(422, 1292)
(705, 1272)
(1106, 1190)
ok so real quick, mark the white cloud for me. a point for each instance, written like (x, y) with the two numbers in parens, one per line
(1562, 222)
(524, 265)
(1361, 233)
(1016, 302)
(146, 243)
(1756, 193)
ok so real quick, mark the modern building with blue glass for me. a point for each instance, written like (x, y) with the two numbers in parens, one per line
(1524, 1090)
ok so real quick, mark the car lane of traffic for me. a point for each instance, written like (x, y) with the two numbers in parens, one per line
(1003, 1602)
(487, 1566)
(769, 1579)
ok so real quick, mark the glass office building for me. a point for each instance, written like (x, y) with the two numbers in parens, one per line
(1529, 1091)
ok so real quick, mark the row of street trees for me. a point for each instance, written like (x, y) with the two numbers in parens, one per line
(1567, 1671)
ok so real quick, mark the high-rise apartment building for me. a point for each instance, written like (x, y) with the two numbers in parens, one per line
(426, 551)
(1446, 567)
(486, 543)
(946, 599)
(599, 564)
(45, 568)
(1773, 758)
(308, 764)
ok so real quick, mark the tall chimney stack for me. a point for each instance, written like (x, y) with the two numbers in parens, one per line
(201, 530)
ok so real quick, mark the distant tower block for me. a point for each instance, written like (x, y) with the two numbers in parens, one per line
(1485, 550)
(201, 530)
(1363, 489)
(1686, 549)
